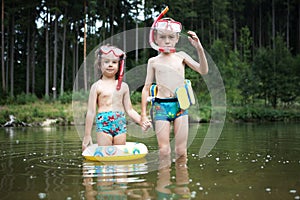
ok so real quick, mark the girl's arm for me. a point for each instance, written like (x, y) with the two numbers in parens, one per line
(91, 112)
(128, 105)
(146, 88)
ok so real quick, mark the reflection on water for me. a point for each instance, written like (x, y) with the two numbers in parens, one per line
(114, 180)
(173, 187)
(249, 161)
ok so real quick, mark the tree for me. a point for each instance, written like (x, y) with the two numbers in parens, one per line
(2, 48)
(47, 53)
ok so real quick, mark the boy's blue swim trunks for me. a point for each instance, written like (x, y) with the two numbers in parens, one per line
(112, 123)
(168, 109)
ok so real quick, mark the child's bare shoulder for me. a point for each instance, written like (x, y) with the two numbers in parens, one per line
(182, 54)
(96, 85)
(125, 85)
(152, 59)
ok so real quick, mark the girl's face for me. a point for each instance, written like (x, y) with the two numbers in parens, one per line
(109, 64)
(166, 38)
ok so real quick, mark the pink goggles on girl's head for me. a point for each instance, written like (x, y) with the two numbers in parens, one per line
(168, 24)
(106, 49)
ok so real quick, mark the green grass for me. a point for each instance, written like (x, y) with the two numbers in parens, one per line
(37, 112)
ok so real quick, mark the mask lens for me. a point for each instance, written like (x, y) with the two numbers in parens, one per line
(168, 25)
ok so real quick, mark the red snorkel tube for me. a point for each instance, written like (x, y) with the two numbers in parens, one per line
(121, 73)
(151, 37)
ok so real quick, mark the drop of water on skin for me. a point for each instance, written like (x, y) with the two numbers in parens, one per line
(297, 197)
(293, 191)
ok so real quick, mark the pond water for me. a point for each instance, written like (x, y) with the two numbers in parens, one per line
(249, 161)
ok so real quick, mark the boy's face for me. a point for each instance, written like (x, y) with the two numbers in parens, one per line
(166, 38)
(109, 64)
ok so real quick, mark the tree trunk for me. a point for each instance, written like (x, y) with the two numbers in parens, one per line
(76, 51)
(47, 58)
(298, 27)
(32, 59)
(54, 88)
(234, 33)
(28, 60)
(12, 56)
(288, 25)
(260, 26)
(84, 50)
(273, 23)
(63, 59)
(2, 49)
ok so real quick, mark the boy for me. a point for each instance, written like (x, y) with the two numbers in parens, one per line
(168, 70)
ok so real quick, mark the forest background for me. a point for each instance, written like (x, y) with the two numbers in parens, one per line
(255, 45)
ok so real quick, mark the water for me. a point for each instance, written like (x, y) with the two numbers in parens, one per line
(249, 161)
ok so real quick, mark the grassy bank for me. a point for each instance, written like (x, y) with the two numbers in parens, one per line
(39, 111)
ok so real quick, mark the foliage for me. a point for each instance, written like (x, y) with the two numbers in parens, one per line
(37, 112)
(260, 114)
(136, 97)
(257, 69)
(65, 98)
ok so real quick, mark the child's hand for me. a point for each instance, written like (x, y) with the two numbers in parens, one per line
(86, 141)
(193, 38)
(146, 125)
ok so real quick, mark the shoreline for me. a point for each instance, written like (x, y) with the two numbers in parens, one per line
(41, 113)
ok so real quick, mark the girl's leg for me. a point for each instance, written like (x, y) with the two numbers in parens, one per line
(181, 132)
(104, 139)
(120, 139)
(162, 129)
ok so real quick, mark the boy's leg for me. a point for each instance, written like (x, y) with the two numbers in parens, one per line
(162, 129)
(181, 131)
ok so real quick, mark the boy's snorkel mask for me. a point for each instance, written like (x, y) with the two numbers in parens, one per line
(106, 49)
(163, 24)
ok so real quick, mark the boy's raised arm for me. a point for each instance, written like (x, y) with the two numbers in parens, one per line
(201, 66)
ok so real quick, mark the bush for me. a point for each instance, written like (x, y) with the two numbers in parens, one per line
(23, 98)
(80, 95)
(257, 114)
(65, 98)
(136, 98)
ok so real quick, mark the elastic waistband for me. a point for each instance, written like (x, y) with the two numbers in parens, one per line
(159, 100)
(110, 112)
